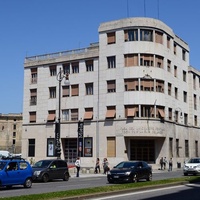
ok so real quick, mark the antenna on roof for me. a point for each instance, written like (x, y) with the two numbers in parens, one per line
(144, 8)
(127, 9)
(158, 8)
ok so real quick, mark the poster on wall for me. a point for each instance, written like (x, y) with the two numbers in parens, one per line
(50, 147)
(88, 147)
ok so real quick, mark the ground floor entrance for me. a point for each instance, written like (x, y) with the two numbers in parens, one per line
(70, 150)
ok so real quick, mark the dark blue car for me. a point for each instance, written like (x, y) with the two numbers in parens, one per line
(15, 171)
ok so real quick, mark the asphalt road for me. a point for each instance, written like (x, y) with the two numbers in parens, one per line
(84, 181)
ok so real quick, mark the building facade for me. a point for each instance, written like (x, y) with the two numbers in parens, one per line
(11, 132)
(134, 90)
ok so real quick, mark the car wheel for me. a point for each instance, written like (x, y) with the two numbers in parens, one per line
(149, 178)
(185, 174)
(135, 178)
(28, 183)
(45, 178)
(66, 177)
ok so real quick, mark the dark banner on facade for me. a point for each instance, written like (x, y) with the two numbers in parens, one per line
(80, 138)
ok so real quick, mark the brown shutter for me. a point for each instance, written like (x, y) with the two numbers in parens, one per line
(111, 147)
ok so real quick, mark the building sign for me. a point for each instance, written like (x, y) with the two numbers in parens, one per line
(80, 138)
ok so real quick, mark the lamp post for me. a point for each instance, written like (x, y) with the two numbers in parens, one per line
(60, 77)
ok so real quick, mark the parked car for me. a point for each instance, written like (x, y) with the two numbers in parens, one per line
(4, 153)
(130, 171)
(14, 171)
(192, 167)
(46, 170)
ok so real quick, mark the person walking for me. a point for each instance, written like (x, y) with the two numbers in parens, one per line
(161, 163)
(164, 162)
(78, 166)
(105, 166)
(170, 164)
(97, 166)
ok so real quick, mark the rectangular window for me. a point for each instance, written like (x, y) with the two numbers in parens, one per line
(147, 85)
(159, 61)
(111, 86)
(131, 84)
(111, 147)
(52, 92)
(74, 90)
(177, 148)
(74, 114)
(131, 111)
(175, 71)
(33, 75)
(14, 126)
(146, 60)
(185, 119)
(186, 148)
(52, 70)
(51, 116)
(88, 114)
(168, 42)
(146, 35)
(111, 38)
(147, 111)
(89, 88)
(158, 37)
(196, 148)
(184, 96)
(169, 88)
(176, 92)
(170, 113)
(66, 68)
(32, 117)
(31, 148)
(183, 54)
(111, 112)
(168, 65)
(89, 65)
(170, 147)
(131, 60)
(111, 62)
(184, 76)
(194, 82)
(195, 101)
(75, 68)
(66, 91)
(195, 120)
(131, 35)
(33, 100)
(65, 115)
(14, 134)
(174, 48)
(88, 143)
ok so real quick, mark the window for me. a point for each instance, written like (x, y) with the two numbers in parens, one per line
(14, 126)
(111, 38)
(131, 60)
(14, 134)
(176, 116)
(89, 88)
(131, 111)
(74, 90)
(74, 114)
(176, 92)
(195, 101)
(160, 112)
(170, 113)
(186, 148)
(194, 82)
(88, 143)
(170, 147)
(147, 85)
(51, 116)
(146, 60)
(65, 115)
(131, 35)
(111, 86)
(13, 141)
(175, 71)
(66, 68)
(195, 120)
(31, 148)
(75, 68)
(184, 76)
(168, 65)
(183, 54)
(88, 114)
(169, 88)
(111, 147)
(111, 112)
(89, 65)
(52, 70)
(52, 92)
(168, 42)
(177, 147)
(159, 61)
(32, 117)
(131, 84)
(146, 35)
(196, 148)
(33, 75)
(185, 119)
(147, 111)
(111, 62)
(158, 37)
(185, 96)
(174, 48)
(65, 91)
(33, 100)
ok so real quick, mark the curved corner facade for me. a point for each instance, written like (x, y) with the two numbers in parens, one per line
(134, 90)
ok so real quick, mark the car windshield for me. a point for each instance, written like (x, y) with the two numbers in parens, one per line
(42, 163)
(126, 165)
(194, 160)
(2, 165)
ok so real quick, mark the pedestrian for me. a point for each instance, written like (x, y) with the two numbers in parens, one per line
(170, 164)
(78, 166)
(97, 166)
(164, 162)
(161, 163)
(105, 166)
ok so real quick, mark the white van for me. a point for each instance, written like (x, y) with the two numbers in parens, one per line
(4, 153)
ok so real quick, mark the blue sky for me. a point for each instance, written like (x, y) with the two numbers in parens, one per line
(35, 27)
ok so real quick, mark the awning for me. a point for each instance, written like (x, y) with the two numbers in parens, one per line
(161, 112)
(131, 112)
(88, 115)
(110, 113)
(51, 117)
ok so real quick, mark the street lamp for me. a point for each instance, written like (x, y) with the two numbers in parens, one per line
(60, 76)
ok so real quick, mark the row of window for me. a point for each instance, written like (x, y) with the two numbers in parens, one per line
(145, 35)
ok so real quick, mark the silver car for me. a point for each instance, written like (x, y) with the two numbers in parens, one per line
(192, 167)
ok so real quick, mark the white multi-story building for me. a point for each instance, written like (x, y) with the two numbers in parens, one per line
(134, 90)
